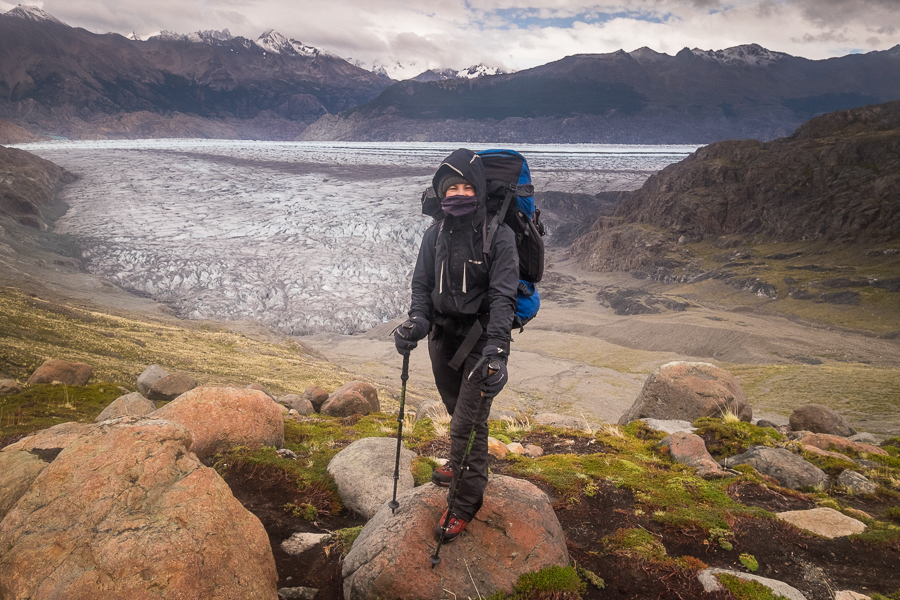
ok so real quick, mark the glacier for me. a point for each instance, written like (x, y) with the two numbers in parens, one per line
(300, 237)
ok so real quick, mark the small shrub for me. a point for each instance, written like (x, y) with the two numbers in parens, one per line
(591, 577)
(749, 561)
(343, 539)
(893, 513)
(303, 511)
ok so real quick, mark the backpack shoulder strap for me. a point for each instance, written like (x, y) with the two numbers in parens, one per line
(494, 225)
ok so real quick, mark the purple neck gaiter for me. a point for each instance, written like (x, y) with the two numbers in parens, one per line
(459, 205)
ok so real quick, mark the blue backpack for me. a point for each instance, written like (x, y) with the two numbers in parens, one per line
(508, 177)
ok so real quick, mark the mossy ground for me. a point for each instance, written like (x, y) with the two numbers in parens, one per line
(810, 267)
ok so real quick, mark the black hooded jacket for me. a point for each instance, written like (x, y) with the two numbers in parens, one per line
(453, 278)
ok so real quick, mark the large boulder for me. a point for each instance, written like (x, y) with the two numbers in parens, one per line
(316, 396)
(787, 468)
(364, 473)
(354, 398)
(129, 405)
(151, 375)
(297, 402)
(125, 511)
(856, 483)
(827, 442)
(68, 373)
(690, 449)
(820, 419)
(170, 387)
(823, 521)
(516, 528)
(8, 387)
(708, 578)
(220, 418)
(23, 461)
(687, 391)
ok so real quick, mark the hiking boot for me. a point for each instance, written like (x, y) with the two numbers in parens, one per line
(442, 476)
(454, 528)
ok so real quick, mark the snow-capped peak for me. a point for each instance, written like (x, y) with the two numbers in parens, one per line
(134, 37)
(32, 13)
(205, 37)
(748, 54)
(274, 42)
(479, 70)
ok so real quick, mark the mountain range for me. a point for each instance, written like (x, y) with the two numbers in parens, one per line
(66, 81)
(643, 96)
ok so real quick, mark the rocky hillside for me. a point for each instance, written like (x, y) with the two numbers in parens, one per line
(811, 217)
(835, 178)
(625, 97)
(28, 186)
(67, 81)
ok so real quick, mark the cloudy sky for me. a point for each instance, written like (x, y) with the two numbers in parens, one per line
(513, 34)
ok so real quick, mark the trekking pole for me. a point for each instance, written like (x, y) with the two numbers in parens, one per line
(404, 375)
(435, 558)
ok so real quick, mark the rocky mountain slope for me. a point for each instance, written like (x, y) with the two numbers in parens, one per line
(68, 81)
(814, 216)
(626, 97)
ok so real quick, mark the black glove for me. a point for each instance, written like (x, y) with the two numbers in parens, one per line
(493, 374)
(407, 335)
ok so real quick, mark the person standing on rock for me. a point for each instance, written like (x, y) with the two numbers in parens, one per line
(464, 301)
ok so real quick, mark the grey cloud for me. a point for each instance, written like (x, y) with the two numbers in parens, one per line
(834, 12)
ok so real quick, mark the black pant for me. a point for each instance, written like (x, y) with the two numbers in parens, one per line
(462, 397)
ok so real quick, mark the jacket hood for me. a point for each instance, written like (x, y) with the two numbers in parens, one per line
(467, 164)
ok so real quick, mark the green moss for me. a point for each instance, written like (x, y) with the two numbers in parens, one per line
(893, 513)
(304, 511)
(422, 468)
(880, 534)
(551, 583)
(503, 438)
(41, 406)
(743, 589)
(637, 542)
(728, 439)
(590, 577)
(749, 561)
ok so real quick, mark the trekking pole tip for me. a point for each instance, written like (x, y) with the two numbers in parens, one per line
(394, 505)
(435, 560)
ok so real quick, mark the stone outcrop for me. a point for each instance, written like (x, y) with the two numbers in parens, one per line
(354, 398)
(856, 483)
(561, 421)
(687, 391)
(23, 461)
(364, 474)
(221, 418)
(689, 449)
(170, 387)
(260, 388)
(516, 527)
(823, 521)
(818, 418)
(132, 523)
(8, 387)
(151, 375)
(129, 405)
(65, 372)
(827, 442)
(787, 468)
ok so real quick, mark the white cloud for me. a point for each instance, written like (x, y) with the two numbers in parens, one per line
(509, 33)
